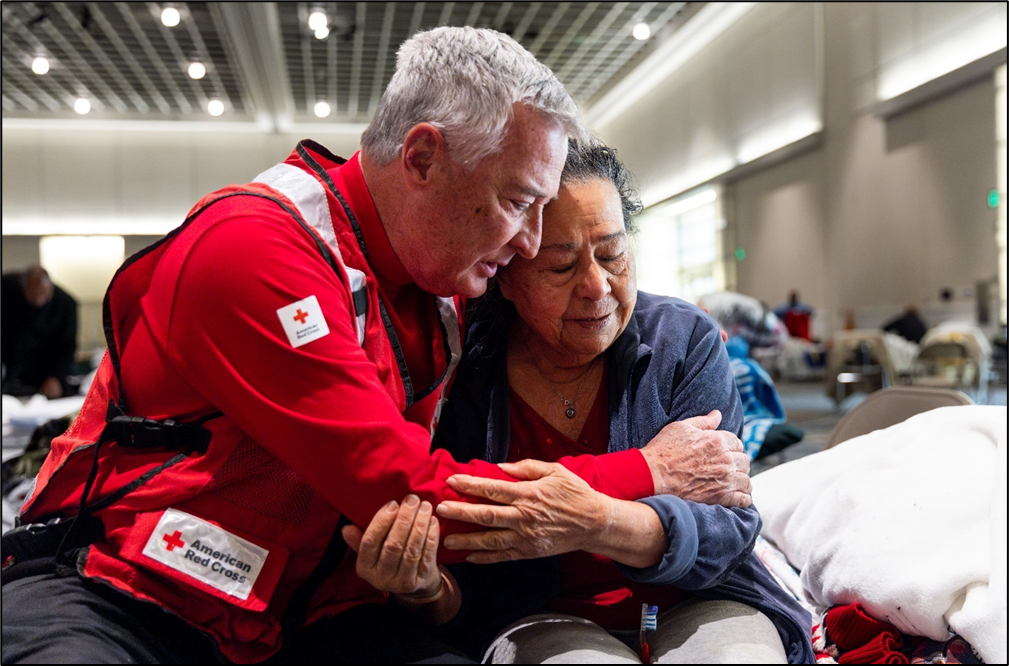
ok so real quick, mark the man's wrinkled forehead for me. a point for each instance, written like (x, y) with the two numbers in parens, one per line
(535, 145)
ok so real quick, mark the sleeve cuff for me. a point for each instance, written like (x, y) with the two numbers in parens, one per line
(625, 475)
(681, 530)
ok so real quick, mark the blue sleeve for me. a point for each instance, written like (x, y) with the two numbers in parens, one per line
(706, 543)
(706, 381)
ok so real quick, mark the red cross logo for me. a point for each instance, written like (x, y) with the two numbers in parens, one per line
(300, 317)
(174, 541)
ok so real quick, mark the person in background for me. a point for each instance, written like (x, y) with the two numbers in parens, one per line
(39, 334)
(909, 325)
(796, 316)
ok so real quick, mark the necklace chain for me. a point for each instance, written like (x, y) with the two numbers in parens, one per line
(570, 411)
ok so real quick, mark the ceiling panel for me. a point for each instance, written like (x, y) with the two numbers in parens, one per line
(129, 65)
(120, 57)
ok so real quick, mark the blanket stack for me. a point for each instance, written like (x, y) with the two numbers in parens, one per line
(909, 522)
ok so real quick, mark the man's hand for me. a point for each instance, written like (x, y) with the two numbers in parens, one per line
(397, 553)
(552, 511)
(694, 461)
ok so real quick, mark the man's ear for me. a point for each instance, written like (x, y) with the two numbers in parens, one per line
(424, 153)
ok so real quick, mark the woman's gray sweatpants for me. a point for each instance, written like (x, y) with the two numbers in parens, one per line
(692, 632)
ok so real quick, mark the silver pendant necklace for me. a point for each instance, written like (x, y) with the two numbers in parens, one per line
(569, 405)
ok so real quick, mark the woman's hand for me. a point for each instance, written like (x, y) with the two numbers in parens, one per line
(397, 553)
(695, 461)
(551, 511)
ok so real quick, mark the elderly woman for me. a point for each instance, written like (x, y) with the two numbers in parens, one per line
(568, 358)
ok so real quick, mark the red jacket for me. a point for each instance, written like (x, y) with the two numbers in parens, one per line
(264, 318)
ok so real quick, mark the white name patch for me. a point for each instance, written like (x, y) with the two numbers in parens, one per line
(206, 552)
(303, 321)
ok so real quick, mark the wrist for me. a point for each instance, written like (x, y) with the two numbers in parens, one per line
(440, 607)
(635, 536)
(655, 466)
(423, 597)
(606, 522)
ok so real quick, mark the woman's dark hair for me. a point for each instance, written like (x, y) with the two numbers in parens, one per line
(592, 160)
(587, 161)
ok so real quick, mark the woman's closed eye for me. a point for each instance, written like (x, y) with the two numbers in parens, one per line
(611, 261)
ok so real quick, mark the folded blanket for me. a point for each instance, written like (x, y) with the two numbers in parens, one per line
(909, 521)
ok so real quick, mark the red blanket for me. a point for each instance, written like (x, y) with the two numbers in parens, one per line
(848, 635)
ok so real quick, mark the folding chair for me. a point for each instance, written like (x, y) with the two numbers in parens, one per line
(890, 406)
(847, 371)
(954, 364)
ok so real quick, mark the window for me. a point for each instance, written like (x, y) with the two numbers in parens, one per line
(680, 246)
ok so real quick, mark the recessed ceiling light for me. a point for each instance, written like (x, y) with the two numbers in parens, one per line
(322, 109)
(642, 31)
(82, 105)
(170, 16)
(318, 20)
(197, 70)
(322, 33)
(40, 65)
(215, 107)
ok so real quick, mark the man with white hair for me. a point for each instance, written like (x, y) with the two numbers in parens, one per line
(276, 367)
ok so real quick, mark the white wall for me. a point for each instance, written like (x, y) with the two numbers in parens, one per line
(918, 41)
(779, 219)
(130, 178)
(886, 212)
(754, 88)
(883, 212)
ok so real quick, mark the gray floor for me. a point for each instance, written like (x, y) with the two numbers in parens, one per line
(808, 407)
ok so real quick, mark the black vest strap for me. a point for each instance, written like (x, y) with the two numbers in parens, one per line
(141, 433)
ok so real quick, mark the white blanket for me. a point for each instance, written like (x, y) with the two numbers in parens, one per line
(910, 521)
